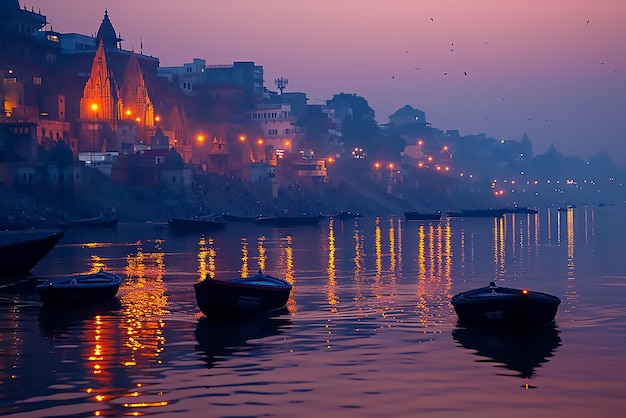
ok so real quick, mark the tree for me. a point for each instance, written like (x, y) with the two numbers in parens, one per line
(359, 127)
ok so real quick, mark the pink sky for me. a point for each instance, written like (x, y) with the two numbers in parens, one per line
(555, 70)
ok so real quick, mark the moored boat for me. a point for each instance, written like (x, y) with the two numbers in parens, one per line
(80, 289)
(228, 217)
(503, 306)
(418, 216)
(345, 215)
(290, 220)
(197, 223)
(95, 222)
(257, 294)
(21, 250)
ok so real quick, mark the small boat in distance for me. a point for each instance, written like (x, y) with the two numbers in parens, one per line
(80, 289)
(346, 214)
(197, 223)
(418, 216)
(95, 222)
(21, 250)
(504, 306)
(283, 220)
(258, 294)
(238, 218)
(478, 213)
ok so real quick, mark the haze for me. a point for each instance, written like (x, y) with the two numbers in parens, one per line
(554, 70)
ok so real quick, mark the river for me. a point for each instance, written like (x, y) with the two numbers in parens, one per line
(369, 330)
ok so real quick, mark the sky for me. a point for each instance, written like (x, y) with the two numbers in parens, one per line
(554, 70)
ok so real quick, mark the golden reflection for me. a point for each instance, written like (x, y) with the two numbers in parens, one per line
(331, 269)
(286, 262)
(206, 258)
(144, 302)
(262, 254)
(358, 259)
(447, 272)
(392, 246)
(399, 252)
(378, 249)
(549, 226)
(431, 250)
(244, 257)
(570, 295)
(97, 264)
(421, 253)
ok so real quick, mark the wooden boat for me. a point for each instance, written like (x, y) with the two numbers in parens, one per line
(197, 223)
(290, 220)
(478, 213)
(418, 216)
(522, 210)
(21, 250)
(95, 222)
(257, 294)
(503, 306)
(81, 289)
(238, 218)
(345, 215)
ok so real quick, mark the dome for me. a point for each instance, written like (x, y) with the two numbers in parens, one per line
(173, 159)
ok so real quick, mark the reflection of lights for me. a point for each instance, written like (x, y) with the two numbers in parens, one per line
(262, 254)
(331, 296)
(244, 257)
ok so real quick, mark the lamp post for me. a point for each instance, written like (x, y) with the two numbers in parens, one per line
(94, 127)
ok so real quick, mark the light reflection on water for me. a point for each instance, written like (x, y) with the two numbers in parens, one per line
(368, 328)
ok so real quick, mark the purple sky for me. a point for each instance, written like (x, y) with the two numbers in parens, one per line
(555, 69)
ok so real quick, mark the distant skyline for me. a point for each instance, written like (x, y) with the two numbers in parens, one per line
(555, 70)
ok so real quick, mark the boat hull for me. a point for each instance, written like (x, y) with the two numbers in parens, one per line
(80, 290)
(242, 296)
(310, 220)
(196, 224)
(503, 306)
(417, 216)
(91, 223)
(20, 251)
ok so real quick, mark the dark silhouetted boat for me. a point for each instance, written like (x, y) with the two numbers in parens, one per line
(80, 289)
(21, 250)
(238, 218)
(197, 223)
(91, 223)
(521, 351)
(345, 215)
(522, 210)
(503, 306)
(419, 216)
(283, 220)
(257, 294)
(477, 213)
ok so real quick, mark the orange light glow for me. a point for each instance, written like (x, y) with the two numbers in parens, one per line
(138, 119)
(420, 142)
(157, 118)
(259, 141)
(430, 159)
(200, 138)
(391, 166)
(376, 165)
(242, 138)
(94, 107)
(525, 291)
(287, 143)
(127, 112)
(330, 159)
(420, 164)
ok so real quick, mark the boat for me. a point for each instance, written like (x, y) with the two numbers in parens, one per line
(258, 294)
(21, 250)
(283, 220)
(197, 223)
(95, 222)
(418, 216)
(478, 213)
(503, 306)
(80, 289)
(238, 218)
(345, 215)
(522, 209)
